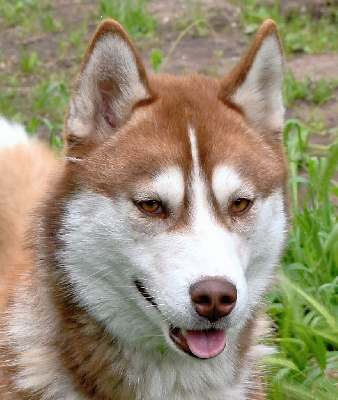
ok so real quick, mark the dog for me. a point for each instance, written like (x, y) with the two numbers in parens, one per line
(154, 239)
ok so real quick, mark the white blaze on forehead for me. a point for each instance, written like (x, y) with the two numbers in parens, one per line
(216, 246)
(169, 185)
(200, 206)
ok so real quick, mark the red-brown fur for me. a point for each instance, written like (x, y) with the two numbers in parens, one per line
(24, 172)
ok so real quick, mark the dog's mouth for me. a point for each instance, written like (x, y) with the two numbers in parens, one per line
(201, 344)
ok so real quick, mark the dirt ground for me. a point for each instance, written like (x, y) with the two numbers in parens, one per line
(217, 52)
(213, 52)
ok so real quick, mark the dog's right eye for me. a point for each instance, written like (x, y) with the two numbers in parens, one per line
(151, 207)
(240, 205)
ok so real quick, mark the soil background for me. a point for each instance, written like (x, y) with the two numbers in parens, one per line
(213, 52)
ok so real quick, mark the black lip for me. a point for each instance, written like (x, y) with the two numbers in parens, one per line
(179, 339)
(175, 333)
(142, 289)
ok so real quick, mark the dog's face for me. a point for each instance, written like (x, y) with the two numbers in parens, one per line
(178, 218)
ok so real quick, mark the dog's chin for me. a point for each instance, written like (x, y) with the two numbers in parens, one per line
(200, 344)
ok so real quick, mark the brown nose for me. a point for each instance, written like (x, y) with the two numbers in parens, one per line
(213, 298)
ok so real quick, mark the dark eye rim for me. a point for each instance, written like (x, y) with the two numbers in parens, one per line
(246, 209)
(160, 212)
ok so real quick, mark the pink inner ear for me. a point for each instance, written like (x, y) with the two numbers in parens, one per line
(110, 119)
(108, 114)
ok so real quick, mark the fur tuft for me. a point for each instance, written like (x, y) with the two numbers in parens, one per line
(11, 133)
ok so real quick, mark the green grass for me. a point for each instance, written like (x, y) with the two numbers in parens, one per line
(300, 31)
(27, 16)
(304, 307)
(316, 91)
(29, 61)
(131, 15)
(15, 12)
(75, 42)
(193, 19)
(50, 24)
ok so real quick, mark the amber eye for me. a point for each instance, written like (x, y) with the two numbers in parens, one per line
(240, 205)
(151, 206)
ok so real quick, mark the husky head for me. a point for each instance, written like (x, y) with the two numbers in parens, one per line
(174, 215)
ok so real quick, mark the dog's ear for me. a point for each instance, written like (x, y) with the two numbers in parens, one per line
(255, 84)
(111, 81)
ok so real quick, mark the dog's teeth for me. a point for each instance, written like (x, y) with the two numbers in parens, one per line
(184, 332)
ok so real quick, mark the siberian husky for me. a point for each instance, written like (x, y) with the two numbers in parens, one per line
(157, 238)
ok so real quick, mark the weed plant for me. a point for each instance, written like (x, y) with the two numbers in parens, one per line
(316, 91)
(29, 61)
(131, 15)
(304, 306)
(16, 12)
(301, 29)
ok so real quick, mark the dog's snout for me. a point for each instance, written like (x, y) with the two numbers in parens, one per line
(213, 298)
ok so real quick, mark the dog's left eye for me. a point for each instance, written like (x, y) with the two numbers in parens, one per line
(153, 207)
(240, 205)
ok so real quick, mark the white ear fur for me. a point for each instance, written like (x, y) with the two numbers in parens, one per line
(108, 87)
(260, 95)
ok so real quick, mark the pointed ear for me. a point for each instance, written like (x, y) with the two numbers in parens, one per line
(255, 84)
(111, 81)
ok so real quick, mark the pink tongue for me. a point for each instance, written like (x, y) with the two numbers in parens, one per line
(206, 344)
